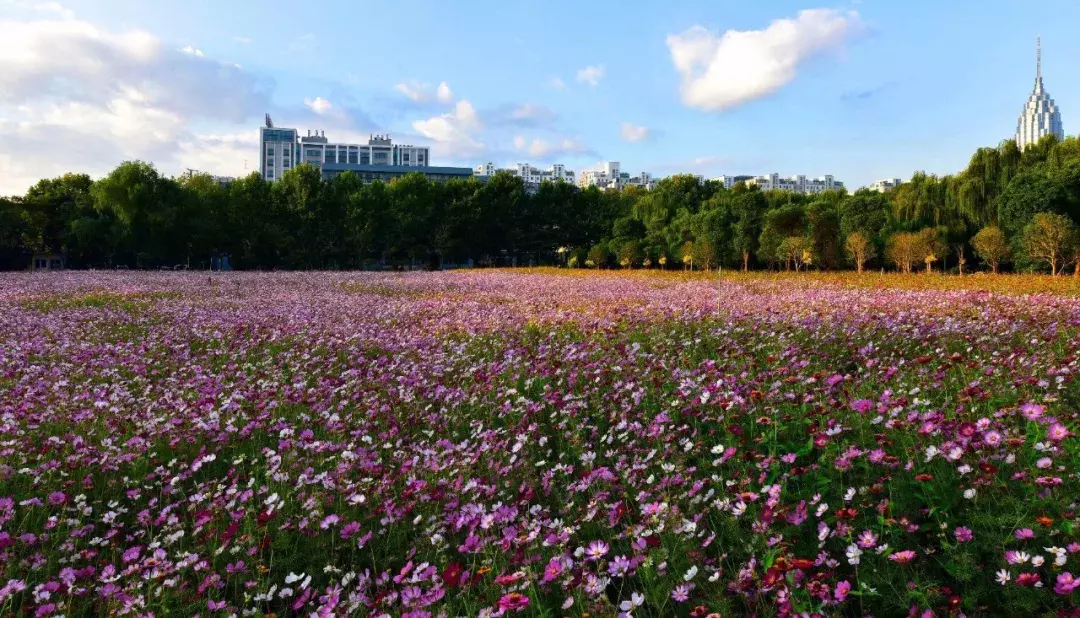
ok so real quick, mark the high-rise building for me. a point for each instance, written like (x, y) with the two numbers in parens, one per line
(278, 150)
(1041, 116)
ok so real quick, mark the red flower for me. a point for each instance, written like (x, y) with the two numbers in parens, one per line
(451, 575)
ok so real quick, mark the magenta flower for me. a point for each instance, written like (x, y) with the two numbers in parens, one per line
(862, 406)
(963, 534)
(513, 602)
(1057, 432)
(1024, 534)
(681, 593)
(841, 591)
(1066, 583)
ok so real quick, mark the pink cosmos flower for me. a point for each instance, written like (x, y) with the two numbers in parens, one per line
(867, 539)
(1057, 432)
(862, 406)
(513, 602)
(963, 534)
(1024, 533)
(596, 550)
(1066, 583)
(1032, 411)
(903, 557)
(842, 590)
(681, 593)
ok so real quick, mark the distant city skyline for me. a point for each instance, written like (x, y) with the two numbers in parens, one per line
(861, 90)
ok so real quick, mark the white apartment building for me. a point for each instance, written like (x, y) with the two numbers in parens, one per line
(610, 176)
(730, 181)
(1041, 115)
(796, 184)
(532, 176)
(885, 185)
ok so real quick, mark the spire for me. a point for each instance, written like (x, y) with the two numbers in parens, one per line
(1038, 58)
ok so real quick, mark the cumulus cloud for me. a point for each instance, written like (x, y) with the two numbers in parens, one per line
(455, 133)
(633, 133)
(539, 148)
(413, 90)
(591, 74)
(444, 94)
(725, 71)
(319, 105)
(422, 92)
(557, 83)
(106, 96)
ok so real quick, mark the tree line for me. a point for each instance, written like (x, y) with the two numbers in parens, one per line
(1008, 209)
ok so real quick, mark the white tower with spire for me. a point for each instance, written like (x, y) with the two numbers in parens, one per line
(1041, 115)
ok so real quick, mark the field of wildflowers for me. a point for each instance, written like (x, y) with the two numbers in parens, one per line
(529, 443)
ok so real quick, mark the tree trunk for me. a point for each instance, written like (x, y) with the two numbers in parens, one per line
(745, 260)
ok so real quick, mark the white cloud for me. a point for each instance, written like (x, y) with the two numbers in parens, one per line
(243, 40)
(421, 92)
(722, 72)
(591, 74)
(542, 149)
(51, 8)
(530, 111)
(557, 83)
(455, 133)
(193, 51)
(319, 105)
(444, 94)
(633, 133)
(413, 90)
(107, 96)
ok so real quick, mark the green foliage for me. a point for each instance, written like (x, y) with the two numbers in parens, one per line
(138, 218)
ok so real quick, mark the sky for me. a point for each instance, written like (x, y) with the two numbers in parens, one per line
(862, 90)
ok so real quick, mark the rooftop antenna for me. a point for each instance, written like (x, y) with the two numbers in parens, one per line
(269, 122)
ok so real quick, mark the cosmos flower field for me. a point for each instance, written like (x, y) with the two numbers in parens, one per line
(538, 443)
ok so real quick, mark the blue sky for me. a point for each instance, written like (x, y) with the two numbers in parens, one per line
(861, 90)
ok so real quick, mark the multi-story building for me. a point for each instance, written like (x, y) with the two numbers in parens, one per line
(887, 184)
(532, 176)
(380, 150)
(1041, 116)
(610, 176)
(796, 184)
(279, 150)
(731, 181)
(379, 159)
